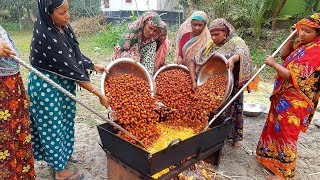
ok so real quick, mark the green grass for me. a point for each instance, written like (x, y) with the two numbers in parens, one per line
(89, 45)
(22, 40)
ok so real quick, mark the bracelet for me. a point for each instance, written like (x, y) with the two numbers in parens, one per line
(93, 90)
(277, 67)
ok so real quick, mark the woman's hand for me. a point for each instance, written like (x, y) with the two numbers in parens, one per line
(230, 63)
(5, 50)
(194, 86)
(99, 68)
(104, 101)
(293, 27)
(270, 61)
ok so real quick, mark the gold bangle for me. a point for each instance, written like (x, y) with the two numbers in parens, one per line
(277, 67)
(93, 90)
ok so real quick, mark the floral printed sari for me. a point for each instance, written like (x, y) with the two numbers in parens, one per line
(16, 155)
(293, 104)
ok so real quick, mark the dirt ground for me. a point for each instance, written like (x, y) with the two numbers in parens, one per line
(235, 163)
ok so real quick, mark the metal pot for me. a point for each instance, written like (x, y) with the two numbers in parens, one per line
(215, 65)
(127, 66)
(253, 110)
(170, 67)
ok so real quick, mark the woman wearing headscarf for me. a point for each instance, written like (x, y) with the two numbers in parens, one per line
(294, 99)
(55, 52)
(225, 41)
(163, 46)
(16, 155)
(139, 40)
(192, 35)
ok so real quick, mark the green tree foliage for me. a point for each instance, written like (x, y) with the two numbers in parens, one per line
(310, 8)
(24, 11)
(17, 10)
(248, 13)
(84, 8)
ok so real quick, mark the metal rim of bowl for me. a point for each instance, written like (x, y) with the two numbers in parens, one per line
(169, 67)
(112, 63)
(230, 78)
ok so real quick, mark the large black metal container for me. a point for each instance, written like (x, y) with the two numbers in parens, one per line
(146, 163)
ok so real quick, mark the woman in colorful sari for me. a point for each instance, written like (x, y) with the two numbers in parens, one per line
(293, 101)
(226, 42)
(139, 40)
(193, 34)
(55, 52)
(163, 46)
(16, 155)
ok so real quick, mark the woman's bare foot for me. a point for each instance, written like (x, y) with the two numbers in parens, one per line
(273, 177)
(75, 160)
(237, 144)
(67, 174)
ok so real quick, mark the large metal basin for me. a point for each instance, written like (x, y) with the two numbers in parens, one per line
(170, 67)
(253, 109)
(215, 65)
(127, 66)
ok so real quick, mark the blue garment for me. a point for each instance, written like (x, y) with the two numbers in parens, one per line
(52, 116)
(8, 66)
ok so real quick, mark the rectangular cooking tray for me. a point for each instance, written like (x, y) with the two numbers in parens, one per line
(146, 163)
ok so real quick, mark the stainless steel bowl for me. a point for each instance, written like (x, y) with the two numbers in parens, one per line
(169, 67)
(127, 66)
(215, 65)
(253, 109)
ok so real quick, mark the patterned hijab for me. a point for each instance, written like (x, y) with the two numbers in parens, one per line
(311, 21)
(312, 58)
(133, 34)
(54, 51)
(220, 24)
(196, 43)
(8, 66)
(233, 45)
(131, 41)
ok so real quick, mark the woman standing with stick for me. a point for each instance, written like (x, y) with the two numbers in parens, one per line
(293, 101)
(55, 53)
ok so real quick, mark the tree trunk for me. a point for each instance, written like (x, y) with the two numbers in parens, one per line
(276, 14)
(20, 16)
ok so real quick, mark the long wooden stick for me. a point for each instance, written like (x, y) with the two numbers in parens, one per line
(249, 81)
(54, 84)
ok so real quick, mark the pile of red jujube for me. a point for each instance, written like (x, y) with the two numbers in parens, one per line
(131, 100)
(135, 109)
(192, 109)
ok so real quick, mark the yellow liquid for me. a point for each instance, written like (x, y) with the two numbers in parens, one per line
(168, 134)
